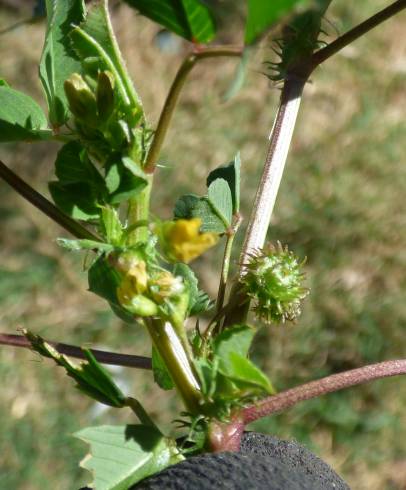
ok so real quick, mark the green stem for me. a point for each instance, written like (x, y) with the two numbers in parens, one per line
(358, 31)
(138, 211)
(172, 98)
(139, 411)
(41, 203)
(225, 269)
(170, 348)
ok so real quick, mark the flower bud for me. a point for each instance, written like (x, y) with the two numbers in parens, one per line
(82, 101)
(105, 95)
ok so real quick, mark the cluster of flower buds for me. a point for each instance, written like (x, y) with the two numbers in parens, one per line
(273, 279)
(181, 240)
(148, 290)
(103, 121)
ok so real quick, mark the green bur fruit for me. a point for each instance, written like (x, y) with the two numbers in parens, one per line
(274, 280)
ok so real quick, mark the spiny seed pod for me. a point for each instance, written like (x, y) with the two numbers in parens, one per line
(273, 278)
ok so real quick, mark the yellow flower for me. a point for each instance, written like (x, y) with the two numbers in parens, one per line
(182, 240)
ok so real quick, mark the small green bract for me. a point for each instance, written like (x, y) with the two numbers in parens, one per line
(273, 278)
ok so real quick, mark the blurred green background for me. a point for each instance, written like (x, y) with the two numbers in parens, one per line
(341, 205)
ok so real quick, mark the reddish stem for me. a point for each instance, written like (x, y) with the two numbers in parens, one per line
(74, 351)
(329, 384)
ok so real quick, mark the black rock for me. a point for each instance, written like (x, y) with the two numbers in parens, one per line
(264, 463)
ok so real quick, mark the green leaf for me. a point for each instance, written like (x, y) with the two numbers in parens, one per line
(262, 15)
(94, 40)
(58, 61)
(75, 245)
(121, 456)
(76, 200)
(231, 174)
(73, 166)
(190, 19)
(191, 206)
(234, 339)
(3, 83)
(104, 280)
(124, 181)
(21, 118)
(161, 373)
(241, 369)
(90, 376)
(220, 198)
(231, 348)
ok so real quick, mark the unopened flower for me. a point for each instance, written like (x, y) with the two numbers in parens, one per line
(182, 241)
(273, 279)
(82, 100)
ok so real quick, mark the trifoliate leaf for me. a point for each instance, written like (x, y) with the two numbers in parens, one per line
(121, 456)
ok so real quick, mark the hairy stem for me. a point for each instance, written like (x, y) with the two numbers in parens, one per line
(104, 357)
(172, 98)
(280, 140)
(176, 359)
(41, 203)
(331, 49)
(329, 384)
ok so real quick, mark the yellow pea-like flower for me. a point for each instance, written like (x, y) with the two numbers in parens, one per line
(182, 240)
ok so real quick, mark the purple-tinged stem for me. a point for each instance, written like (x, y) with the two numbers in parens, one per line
(329, 384)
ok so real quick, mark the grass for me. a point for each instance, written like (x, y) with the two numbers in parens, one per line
(340, 205)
